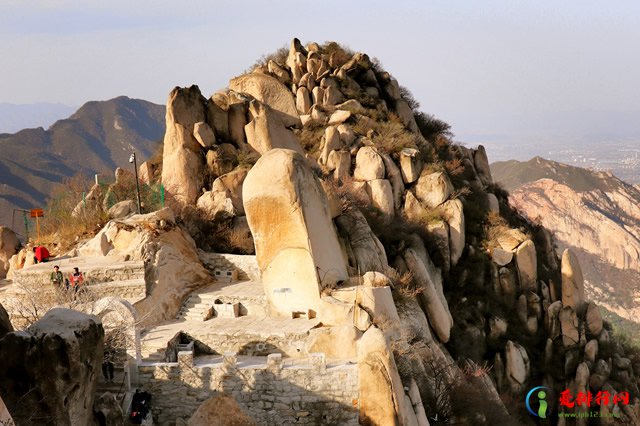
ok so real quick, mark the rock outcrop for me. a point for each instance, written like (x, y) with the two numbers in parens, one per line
(8, 247)
(296, 244)
(49, 372)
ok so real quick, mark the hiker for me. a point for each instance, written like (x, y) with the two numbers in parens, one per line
(40, 254)
(56, 276)
(76, 279)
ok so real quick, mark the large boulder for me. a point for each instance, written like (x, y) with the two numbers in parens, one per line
(369, 164)
(270, 91)
(527, 265)
(267, 131)
(436, 310)
(572, 281)
(433, 189)
(381, 390)
(107, 410)
(122, 209)
(381, 195)
(481, 163)
(182, 162)
(593, 320)
(410, 164)
(569, 326)
(49, 372)
(455, 218)
(517, 366)
(364, 250)
(8, 247)
(296, 244)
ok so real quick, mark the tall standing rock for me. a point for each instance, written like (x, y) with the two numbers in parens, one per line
(267, 131)
(270, 91)
(49, 373)
(527, 265)
(8, 247)
(518, 366)
(182, 162)
(296, 244)
(481, 163)
(572, 281)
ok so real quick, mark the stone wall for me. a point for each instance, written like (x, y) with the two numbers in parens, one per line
(271, 390)
(247, 266)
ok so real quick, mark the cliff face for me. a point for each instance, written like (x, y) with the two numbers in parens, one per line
(593, 212)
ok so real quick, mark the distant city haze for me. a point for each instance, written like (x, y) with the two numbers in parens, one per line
(523, 78)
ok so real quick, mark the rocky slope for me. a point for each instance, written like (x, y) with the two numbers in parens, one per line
(95, 139)
(367, 219)
(595, 213)
(473, 282)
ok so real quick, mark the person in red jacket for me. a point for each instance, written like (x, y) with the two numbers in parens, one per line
(40, 254)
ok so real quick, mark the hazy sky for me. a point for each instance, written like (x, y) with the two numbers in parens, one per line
(495, 70)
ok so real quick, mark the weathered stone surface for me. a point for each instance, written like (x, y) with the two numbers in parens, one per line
(5, 323)
(107, 410)
(439, 230)
(340, 163)
(339, 117)
(296, 245)
(369, 165)
(406, 115)
(527, 265)
(455, 218)
(511, 239)
(494, 204)
(381, 391)
(593, 320)
(218, 116)
(237, 115)
(569, 326)
(572, 281)
(216, 205)
(5, 416)
(182, 162)
(123, 209)
(279, 72)
(49, 371)
(8, 247)
(395, 178)
(437, 313)
(381, 195)
(220, 410)
(347, 135)
(331, 142)
(303, 100)
(269, 91)
(365, 252)
(591, 350)
(552, 319)
(204, 134)
(433, 189)
(335, 342)
(517, 366)
(497, 327)
(481, 163)
(501, 257)
(222, 159)
(267, 131)
(410, 164)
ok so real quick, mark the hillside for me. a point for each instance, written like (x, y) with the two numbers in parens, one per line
(97, 138)
(595, 213)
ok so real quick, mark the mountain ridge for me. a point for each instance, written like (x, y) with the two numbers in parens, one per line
(97, 138)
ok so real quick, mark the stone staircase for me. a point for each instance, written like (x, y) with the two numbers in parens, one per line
(197, 307)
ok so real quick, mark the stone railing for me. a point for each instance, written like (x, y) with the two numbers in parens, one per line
(272, 389)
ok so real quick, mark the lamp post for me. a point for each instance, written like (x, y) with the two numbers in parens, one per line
(132, 159)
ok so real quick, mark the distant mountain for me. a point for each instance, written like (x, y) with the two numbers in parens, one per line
(594, 212)
(16, 117)
(97, 138)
